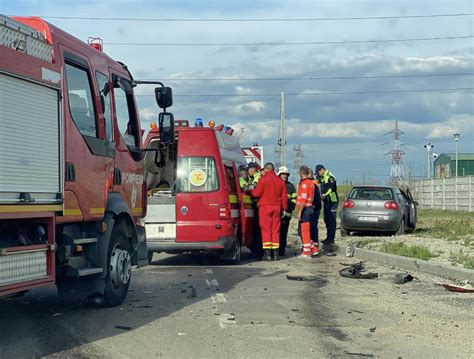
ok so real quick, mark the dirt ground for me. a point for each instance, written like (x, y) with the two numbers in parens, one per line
(450, 252)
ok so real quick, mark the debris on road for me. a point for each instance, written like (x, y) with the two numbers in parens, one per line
(372, 330)
(459, 287)
(402, 278)
(360, 354)
(357, 271)
(56, 314)
(122, 327)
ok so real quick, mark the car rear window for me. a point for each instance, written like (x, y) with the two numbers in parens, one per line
(197, 174)
(381, 194)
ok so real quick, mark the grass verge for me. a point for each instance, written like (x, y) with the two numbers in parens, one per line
(401, 249)
(449, 225)
(462, 258)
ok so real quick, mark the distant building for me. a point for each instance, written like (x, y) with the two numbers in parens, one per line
(445, 165)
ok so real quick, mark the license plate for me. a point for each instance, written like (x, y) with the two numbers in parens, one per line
(369, 219)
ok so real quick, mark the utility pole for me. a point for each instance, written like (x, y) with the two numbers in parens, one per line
(429, 149)
(398, 173)
(281, 133)
(456, 139)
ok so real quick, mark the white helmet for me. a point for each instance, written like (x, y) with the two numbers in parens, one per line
(283, 169)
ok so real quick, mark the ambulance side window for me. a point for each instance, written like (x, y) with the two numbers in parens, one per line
(80, 100)
(104, 93)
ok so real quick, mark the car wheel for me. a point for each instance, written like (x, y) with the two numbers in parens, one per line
(344, 232)
(401, 229)
(119, 271)
(150, 257)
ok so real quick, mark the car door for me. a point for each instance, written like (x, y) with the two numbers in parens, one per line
(246, 211)
(413, 210)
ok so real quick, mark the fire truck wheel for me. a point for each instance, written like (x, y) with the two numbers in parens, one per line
(119, 271)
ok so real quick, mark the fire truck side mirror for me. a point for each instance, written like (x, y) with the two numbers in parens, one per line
(164, 97)
(166, 127)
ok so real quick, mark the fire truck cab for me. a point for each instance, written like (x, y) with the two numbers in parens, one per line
(195, 202)
(72, 189)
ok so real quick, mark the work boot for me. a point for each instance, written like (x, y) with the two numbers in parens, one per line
(314, 251)
(275, 255)
(267, 255)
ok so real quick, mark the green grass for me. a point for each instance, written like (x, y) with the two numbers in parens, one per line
(401, 249)
(462, 258)
(449, 225)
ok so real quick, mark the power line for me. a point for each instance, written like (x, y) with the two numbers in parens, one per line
(290, 43)
(322, 93)
(311, 77)
(352, 18)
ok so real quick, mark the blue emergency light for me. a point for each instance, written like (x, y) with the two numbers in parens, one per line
(198, 122)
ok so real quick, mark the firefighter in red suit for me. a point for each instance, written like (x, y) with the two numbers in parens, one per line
(305, 212)
(272, 200)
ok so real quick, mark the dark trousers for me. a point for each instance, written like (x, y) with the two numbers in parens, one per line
(285, 225)
(314, 226)
(256, 245)
(330, 213)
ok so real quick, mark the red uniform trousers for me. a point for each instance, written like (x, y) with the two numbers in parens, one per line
(269, 216)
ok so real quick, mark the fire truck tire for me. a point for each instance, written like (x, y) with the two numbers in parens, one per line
(119, 271)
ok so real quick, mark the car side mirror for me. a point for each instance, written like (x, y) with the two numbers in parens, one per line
(166, 127)
(164, 97)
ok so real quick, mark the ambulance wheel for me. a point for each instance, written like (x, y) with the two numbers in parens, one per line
(119, 271)
(234, 254)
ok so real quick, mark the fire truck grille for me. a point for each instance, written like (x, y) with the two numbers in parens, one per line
(22, 267)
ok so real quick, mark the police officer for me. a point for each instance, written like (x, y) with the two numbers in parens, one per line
(244, 180)
(283, 173)
(330, 200)
(254, 174)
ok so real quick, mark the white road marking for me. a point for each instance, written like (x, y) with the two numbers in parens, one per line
(218, 298)
(208, 271)
(213, 282)
(226, 319)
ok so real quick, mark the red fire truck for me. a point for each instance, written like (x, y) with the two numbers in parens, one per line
(195, 201)
(72, 189)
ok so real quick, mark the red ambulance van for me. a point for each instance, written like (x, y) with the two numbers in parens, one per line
(194, 199)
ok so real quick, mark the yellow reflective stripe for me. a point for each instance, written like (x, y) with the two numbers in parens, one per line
(294, 195)
(233, 198)
(98, 210)
(31, 208)
(247, 199)
(137, 210)
(72, 212)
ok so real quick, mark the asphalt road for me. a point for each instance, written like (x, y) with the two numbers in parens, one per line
(191, 307)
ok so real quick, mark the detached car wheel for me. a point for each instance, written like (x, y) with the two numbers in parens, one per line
(119, 271)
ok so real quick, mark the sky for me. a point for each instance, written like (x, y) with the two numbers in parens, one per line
(380, 81)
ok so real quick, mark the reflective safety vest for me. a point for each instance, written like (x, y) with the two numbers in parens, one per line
(253, 180)
(243, 182)
(305, 193)
(329, 187)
